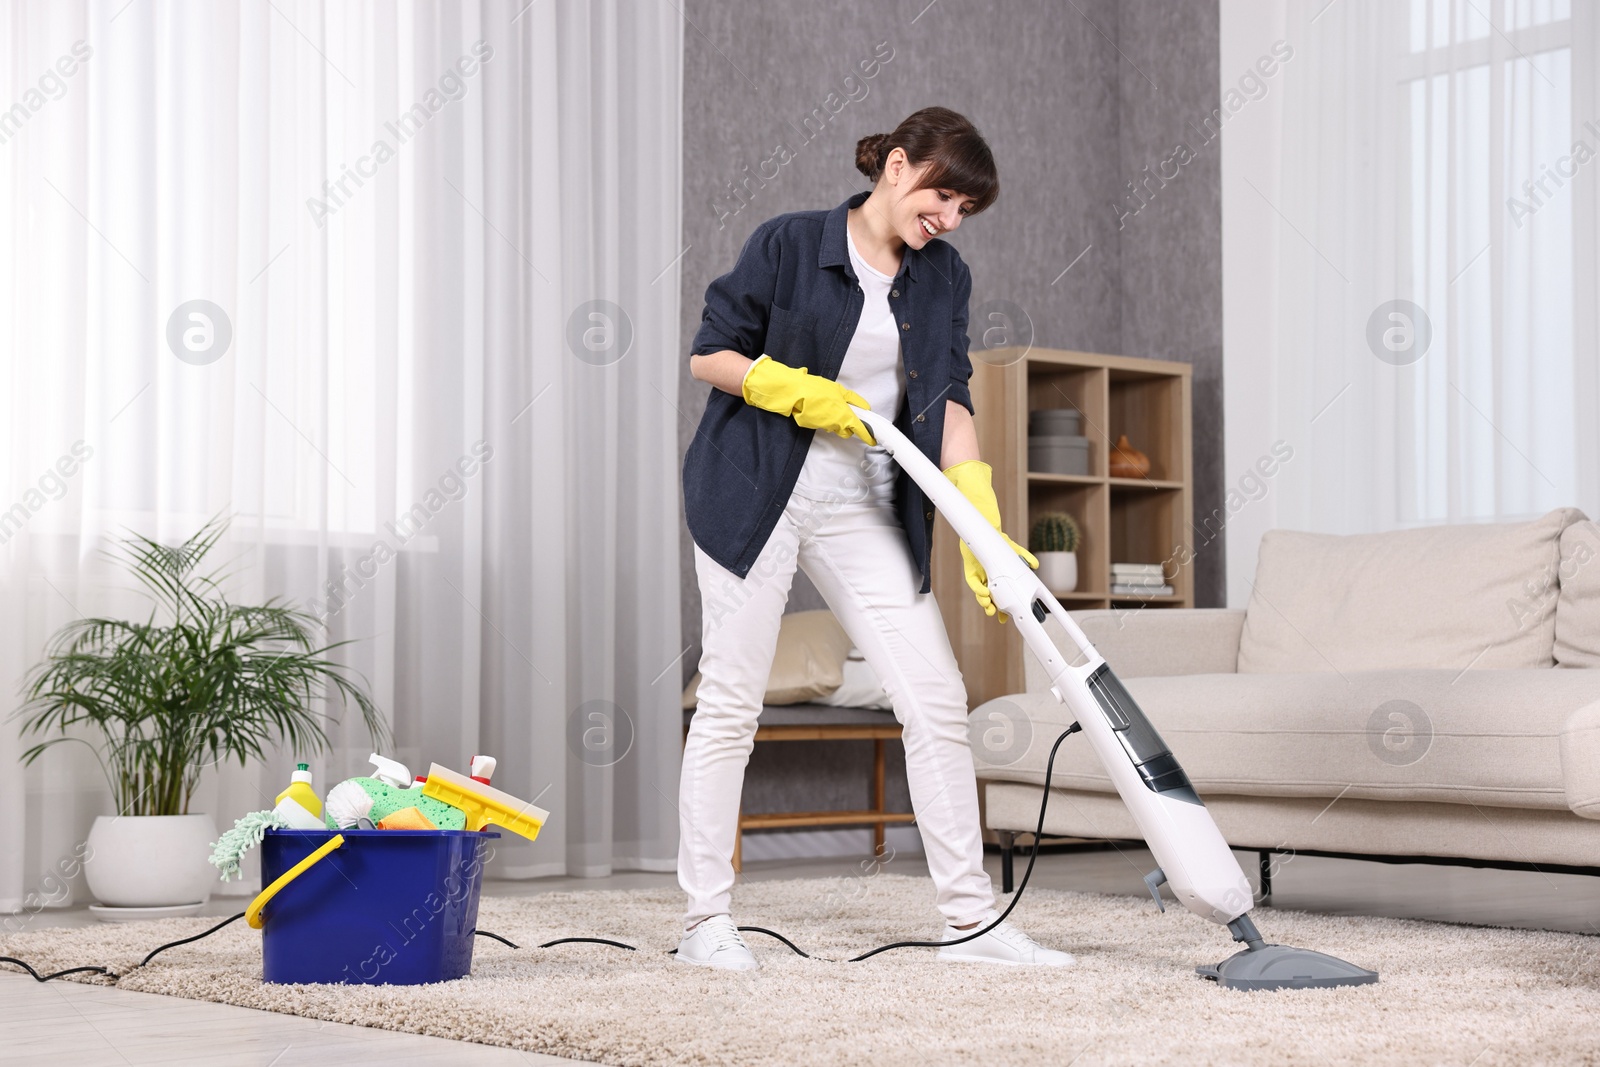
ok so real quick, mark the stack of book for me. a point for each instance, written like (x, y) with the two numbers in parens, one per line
(1139, 580)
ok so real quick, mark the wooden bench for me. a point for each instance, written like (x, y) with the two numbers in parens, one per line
(821, 722)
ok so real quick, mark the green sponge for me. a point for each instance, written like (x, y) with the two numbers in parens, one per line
(358, 798)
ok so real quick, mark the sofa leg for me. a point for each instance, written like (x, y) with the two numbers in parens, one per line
(1008, 841)
(1266, 875)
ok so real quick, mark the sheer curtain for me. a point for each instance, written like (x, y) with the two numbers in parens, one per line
(1422, 190)
(391, 284)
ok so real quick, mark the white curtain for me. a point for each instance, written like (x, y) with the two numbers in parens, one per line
(1442, 153)
(442, 240)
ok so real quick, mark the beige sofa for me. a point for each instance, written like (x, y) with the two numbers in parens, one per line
(1422, 695)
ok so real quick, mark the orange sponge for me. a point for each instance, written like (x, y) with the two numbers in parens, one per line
(406, 819)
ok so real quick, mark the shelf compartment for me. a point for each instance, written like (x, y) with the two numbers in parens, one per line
(1147, 527)
(1148, 408)
(1087, 502)
(1061, 385)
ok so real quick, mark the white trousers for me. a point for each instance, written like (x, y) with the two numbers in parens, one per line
(856, 554)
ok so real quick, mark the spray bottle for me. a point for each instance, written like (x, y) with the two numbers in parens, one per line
(481, 769)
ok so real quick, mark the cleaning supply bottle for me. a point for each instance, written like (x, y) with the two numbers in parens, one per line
(299, 805)
(390, 772)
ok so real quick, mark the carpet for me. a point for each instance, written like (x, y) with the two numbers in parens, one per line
(1449, 993)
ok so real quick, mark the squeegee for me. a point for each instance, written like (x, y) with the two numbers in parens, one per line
(1191, 855)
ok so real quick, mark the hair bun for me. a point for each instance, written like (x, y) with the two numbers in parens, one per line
(870, 153)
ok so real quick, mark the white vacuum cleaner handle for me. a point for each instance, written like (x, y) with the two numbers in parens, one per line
(1193, 856)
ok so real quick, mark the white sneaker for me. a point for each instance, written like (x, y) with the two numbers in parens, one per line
(1004, 944)
(715, 942)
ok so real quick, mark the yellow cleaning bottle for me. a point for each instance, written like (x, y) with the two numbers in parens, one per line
(299, 804)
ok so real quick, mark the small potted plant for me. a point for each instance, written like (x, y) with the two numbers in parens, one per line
(201, 681)
(1054, 540)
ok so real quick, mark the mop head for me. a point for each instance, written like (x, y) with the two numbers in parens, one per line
(227, 851)
(1285, 967)
(1264, 966)
(367, 798)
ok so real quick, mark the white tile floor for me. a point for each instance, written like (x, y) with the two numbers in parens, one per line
(86, 1026)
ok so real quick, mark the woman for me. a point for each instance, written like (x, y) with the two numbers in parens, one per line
(859, 305)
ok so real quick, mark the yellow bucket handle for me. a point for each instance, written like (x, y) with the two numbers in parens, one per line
(252, 914)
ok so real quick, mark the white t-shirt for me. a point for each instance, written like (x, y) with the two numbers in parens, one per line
(847, 467)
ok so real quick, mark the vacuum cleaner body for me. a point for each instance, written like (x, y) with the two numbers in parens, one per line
(1191, 853)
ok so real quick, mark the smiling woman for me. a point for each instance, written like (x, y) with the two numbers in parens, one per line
(825, 314)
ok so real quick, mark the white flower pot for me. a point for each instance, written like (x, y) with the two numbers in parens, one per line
(1058, 571)
(144, 861)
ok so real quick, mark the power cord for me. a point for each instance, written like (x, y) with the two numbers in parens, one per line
(773, 933)
(569, 941)
(1016, 898)
(37, 977)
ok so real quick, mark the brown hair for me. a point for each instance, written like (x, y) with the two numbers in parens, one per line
(960, 157)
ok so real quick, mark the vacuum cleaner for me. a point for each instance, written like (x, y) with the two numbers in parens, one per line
(1191, 855)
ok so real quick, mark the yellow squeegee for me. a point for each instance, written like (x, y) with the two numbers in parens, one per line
(484, 804)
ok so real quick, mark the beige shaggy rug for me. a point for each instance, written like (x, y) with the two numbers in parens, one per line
(1448, 995)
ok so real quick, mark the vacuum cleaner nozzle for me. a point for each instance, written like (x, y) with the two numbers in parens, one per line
(1264, 966)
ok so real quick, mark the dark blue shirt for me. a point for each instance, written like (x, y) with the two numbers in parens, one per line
(794, 295)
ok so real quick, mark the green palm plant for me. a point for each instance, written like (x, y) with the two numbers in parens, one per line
(211, 681)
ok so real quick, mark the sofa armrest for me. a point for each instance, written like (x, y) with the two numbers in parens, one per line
(1152, 641)
(1580, 759)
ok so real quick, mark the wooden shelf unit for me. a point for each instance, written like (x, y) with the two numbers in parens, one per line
(1124, 520)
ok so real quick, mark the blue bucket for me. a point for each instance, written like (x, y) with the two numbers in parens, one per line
(388, 907)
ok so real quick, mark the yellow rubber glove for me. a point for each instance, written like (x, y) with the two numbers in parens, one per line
(974, 478)
(813, 401)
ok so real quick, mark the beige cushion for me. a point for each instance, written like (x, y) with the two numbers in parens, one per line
(1447, 597)
(1480, 737)
(808, 662)
(1578, 608)
(1148, 641)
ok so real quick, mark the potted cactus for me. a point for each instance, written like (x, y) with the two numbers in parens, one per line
(1054, 540)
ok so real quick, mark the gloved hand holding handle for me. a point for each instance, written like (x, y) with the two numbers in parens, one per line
(814, 402)
(975, 480)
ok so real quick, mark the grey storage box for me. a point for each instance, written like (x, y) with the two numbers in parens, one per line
(1054, 422)
(1058, 454)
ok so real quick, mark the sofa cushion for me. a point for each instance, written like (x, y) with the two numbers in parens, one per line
(1480, 737)
(1137, 643)
(1580, 761)
(1460, 596)
(1578, 608)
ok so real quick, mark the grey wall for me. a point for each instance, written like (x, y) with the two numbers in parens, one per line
(1070, 121)
(1170, 234)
